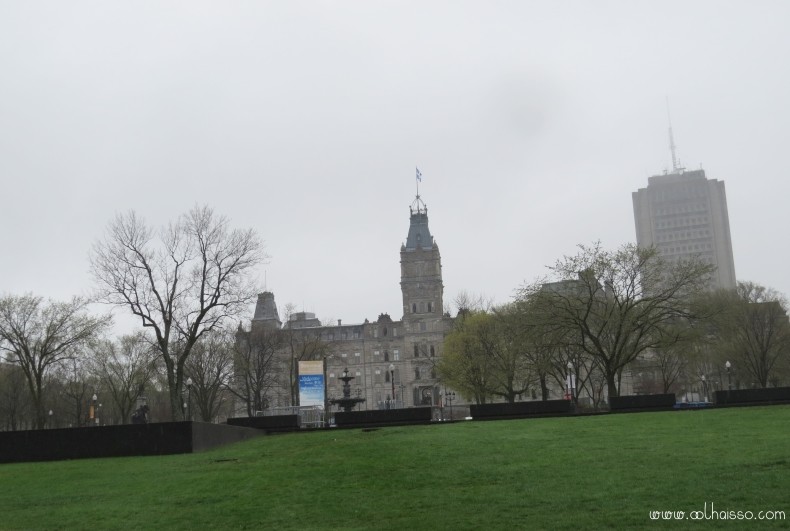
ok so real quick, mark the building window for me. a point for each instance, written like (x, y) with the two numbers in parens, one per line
(343, 355)
(386, 376)
(416, 373)
(422, 327)
(433, 373)
(430, 307)
(375, 332)
(386, 355)
(396, 354)
(414, 308)
(395, 332)
(416, 351)
(433, 352)
(385, 331)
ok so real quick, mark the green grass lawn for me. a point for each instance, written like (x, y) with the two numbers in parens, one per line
(596, 472)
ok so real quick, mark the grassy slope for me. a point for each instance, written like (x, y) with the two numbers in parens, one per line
(589, 472)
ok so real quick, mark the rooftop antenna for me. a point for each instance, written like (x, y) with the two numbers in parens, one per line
(676, 168)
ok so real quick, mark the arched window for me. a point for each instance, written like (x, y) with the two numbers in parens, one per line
(414, 307)
(387, 376)
(385, 331)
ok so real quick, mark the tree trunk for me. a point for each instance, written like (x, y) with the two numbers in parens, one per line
(544, 388)
(39, 416)
(176, 405)
(611, 384)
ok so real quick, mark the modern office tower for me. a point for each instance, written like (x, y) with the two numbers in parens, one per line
(684, 214)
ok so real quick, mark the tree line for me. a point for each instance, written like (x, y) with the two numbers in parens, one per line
(599, 315)
(185, 283)
(602, 315)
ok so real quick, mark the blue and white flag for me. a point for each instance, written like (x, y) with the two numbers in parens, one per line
(419, 176)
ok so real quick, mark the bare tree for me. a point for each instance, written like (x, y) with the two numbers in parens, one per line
(754, 329)
(616, 305)
(77, 387)
(299, 344)
(211, 367)
(13, 397)
(465, 301)
(540, 344)
(505, 343)
(187, 283)
(125, 367)
(302, 345)
(40, 335)
(255, 369)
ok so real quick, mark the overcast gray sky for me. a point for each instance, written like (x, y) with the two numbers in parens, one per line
(532, 123)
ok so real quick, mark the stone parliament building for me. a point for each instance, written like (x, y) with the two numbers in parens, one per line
(393, 362)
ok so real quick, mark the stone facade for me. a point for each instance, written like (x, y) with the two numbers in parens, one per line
(393, 361)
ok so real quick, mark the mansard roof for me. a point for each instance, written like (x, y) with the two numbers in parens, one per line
(266, 309)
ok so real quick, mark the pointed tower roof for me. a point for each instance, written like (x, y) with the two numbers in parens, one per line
(419, 234)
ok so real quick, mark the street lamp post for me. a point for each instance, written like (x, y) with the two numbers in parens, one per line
(327, 398)
(450, 397)
(50, 419)
(92, 412)
(189, 399)
(392, 380)
(727, 366)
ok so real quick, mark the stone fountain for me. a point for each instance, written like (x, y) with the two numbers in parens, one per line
(347, 403)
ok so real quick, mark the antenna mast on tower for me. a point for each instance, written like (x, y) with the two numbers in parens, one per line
(676, 168)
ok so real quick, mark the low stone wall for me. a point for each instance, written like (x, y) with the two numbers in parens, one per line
(383, 417)
(748, 397)
(514, 410)
(117, 441)
(633, 403)
(273, 423)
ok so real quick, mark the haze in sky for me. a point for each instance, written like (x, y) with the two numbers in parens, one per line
(531, 122)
